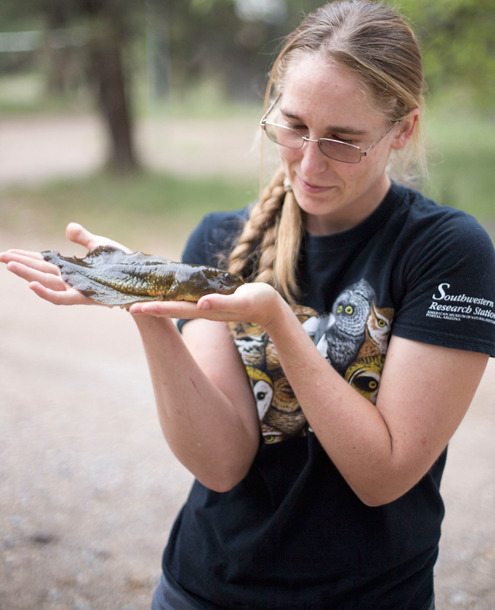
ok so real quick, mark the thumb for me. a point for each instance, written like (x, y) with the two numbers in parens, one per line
(77, 234)
(217, 302)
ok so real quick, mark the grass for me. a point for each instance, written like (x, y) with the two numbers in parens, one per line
(137, 210)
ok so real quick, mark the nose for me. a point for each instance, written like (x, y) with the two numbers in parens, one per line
(313, 160)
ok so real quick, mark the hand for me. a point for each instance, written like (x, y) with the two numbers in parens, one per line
(79, 235)
(44, 278)
(256, 302)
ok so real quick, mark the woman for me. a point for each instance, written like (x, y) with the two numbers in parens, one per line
(315, 404)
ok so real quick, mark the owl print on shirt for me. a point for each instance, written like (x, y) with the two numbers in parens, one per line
(353, 337)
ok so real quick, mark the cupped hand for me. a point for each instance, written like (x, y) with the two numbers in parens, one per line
(44, 278)
(255, 302)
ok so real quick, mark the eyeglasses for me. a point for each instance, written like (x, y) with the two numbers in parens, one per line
(334, 149)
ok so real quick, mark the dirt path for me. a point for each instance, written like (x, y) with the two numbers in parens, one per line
(88, 488)
(34, 149)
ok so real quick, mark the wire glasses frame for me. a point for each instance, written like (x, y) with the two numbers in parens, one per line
(333, 149)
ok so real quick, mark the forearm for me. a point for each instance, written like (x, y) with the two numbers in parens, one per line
(350, 428)
(205, 430)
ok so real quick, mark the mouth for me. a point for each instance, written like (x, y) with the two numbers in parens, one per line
(312, 188)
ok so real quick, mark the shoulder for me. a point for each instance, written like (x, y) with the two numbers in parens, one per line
(443, 276)
(214, 236)
(432, 228)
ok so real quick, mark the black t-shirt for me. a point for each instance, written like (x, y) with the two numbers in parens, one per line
(292, 534)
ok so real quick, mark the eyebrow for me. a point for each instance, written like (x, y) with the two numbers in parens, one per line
(347, 130)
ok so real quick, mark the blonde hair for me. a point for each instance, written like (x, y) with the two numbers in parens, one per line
(378, 48)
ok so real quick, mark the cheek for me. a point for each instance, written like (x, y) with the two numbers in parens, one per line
(289, 156)
(373, 168)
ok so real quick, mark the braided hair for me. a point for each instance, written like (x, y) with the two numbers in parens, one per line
(273, 234)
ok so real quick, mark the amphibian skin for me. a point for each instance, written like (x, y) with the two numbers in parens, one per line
(109, 276)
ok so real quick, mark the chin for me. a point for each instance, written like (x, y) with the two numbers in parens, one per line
(316, 206)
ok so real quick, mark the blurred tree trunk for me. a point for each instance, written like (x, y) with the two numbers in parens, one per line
(109, 78)
(108, 42)
(56, 18)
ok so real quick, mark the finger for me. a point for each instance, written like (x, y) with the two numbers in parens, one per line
(37, 263)
(57, 297)
(220, 303)
(15, 254)
(183, 310)
(169, 309)
(249, 303)
(50, 280)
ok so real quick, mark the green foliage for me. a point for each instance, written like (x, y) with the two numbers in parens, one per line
(203, 7)
(457, 39)
(208, 39)
(462, 158)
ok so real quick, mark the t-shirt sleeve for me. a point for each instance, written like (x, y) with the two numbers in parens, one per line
(450, 279)
(196, 251)
(211, 241)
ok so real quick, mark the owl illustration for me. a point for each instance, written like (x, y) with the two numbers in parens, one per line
(251, 341)
(280, 414)
(303, 313)
(365, 374)
(272, 435)
(378, 327)
(262, 387)
(346, 326)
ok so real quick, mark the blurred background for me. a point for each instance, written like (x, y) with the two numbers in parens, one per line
(136, 117)
(150, 107)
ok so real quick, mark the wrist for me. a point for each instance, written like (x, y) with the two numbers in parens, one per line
(279, 314)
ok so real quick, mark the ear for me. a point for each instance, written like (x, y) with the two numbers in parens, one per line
(405, 129)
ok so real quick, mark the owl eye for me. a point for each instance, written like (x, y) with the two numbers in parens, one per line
(270, 438)
(372, 385)
(349, 310)
(382, 323)
(340, 308)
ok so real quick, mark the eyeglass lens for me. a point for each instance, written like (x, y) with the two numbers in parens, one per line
(290, 138)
